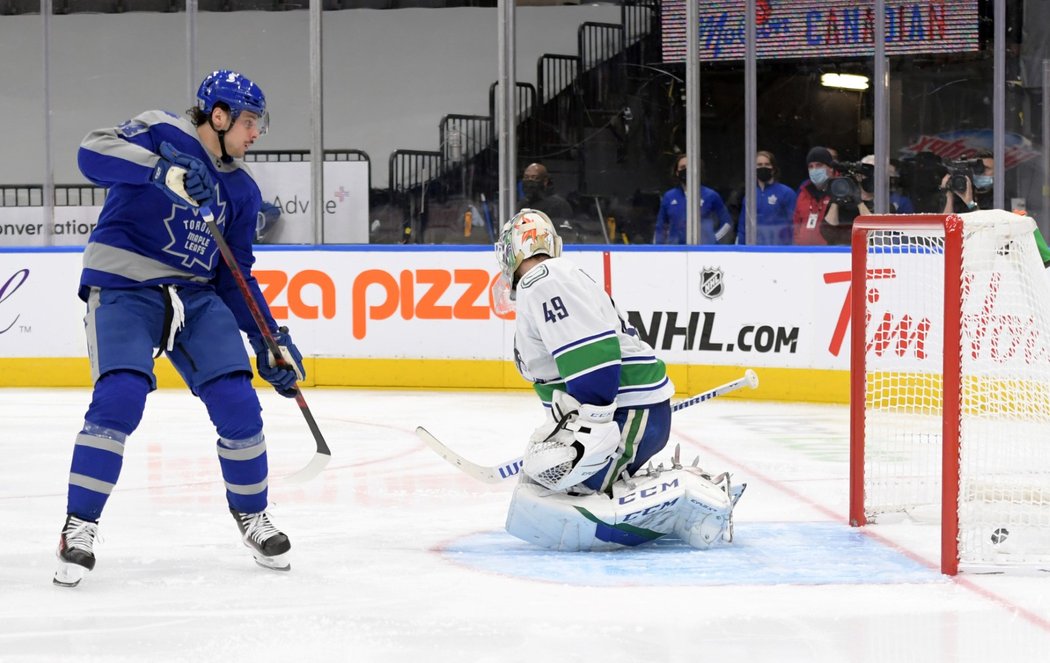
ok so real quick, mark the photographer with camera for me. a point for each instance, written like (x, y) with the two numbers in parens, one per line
(813, 202)
(852, 194)
(967, 186)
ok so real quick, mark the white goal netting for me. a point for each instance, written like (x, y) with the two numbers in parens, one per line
(1000, 321)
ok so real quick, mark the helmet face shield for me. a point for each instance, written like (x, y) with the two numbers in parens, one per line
(503, 296)
(505, 252)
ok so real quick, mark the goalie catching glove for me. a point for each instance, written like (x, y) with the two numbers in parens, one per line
(581, 443)
(281, 374)
(184, 178)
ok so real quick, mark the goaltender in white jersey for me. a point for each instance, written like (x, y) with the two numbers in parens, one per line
(584, 484)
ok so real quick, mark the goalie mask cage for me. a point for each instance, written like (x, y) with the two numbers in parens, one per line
(950, 383)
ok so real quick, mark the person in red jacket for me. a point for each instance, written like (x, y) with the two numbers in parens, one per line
(813, 201)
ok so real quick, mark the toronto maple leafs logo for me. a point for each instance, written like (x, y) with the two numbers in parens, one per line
(191, 241)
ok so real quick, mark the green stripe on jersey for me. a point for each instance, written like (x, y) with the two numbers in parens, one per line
(636, 375)
(546, 391)
(586, 357)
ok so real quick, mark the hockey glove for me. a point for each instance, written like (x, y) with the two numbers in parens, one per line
(269, 214)
(281, 374)
(582, 443)
(184, 178)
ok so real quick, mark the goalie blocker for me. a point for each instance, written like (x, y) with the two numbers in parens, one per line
(684, 503)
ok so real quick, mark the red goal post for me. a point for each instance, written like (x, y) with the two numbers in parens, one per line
(950, 383)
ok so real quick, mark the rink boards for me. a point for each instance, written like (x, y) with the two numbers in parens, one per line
(393, 316)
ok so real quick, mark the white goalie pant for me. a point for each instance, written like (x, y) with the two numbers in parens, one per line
(681, 503)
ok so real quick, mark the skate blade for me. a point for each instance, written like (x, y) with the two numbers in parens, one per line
(68, 575)
(275, 563)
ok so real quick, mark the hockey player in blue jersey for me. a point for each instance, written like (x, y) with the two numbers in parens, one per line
(585, 482)
(154, 282)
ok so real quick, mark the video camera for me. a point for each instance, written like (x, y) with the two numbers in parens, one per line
(846, 190)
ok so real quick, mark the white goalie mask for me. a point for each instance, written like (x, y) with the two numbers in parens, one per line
(529, 233)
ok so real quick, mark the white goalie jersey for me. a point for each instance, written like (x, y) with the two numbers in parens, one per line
(570, 337)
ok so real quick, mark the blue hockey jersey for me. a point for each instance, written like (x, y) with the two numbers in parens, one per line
(144, 239)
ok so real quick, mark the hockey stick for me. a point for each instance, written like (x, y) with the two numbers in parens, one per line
(323, 454)
(510, 468)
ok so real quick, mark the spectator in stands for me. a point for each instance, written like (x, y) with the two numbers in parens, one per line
(813, 201)
(538, 193)
(716, 226)
(774, 205)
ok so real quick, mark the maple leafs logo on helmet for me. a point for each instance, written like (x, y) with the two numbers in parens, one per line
(237, 92)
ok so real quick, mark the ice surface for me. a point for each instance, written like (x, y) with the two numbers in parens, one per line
(397, 556)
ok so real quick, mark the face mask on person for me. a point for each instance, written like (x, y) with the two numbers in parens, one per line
(982, 182)
(867, 185)
(764, 173)
(532, 188)
(818, 176)
(681, 176)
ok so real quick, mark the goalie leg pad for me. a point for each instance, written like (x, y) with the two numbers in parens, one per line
(705, 514)
(574, 523)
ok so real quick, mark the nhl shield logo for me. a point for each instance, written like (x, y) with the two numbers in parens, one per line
(712, 285)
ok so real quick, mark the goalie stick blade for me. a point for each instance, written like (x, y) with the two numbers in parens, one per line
(312, 469)
(496, 474)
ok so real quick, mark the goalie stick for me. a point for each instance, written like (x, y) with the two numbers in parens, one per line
(510, 468)
(323, 454)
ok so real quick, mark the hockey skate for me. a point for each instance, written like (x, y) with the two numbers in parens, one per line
(75, 554)
(269, 546)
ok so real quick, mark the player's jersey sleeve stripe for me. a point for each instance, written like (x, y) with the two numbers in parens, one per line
(639, 359)
(596, 353)
(645, 387)
(644, 376)
(584, 341)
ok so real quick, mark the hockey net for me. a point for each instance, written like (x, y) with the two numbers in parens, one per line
(950, 383)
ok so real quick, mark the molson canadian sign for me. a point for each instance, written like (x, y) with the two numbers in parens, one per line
(821, 28)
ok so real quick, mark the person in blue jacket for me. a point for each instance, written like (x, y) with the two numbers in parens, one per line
(774, 205)
(154, 281)
(716, 226)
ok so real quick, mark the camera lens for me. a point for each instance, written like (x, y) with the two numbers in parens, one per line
(958, 183)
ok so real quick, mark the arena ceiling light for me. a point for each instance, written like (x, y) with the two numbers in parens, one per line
(845, 81)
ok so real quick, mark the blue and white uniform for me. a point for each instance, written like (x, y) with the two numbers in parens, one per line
(148, 264)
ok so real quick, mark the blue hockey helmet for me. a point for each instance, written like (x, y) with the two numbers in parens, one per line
(236, 91)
